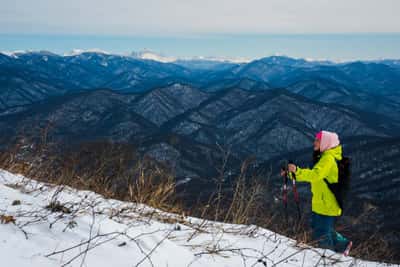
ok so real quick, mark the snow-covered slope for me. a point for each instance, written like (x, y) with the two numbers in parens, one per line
(85, 229)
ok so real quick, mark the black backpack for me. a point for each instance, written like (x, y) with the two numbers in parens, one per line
(340, 188)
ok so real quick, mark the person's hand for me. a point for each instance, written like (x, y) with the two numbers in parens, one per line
(292, 168)
(283, 172)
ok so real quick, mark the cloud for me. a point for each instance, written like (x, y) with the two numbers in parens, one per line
(163, 17)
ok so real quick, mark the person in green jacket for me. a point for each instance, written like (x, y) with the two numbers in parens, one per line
(325, 208)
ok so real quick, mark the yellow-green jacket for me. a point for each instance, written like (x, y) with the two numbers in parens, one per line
(323, 200)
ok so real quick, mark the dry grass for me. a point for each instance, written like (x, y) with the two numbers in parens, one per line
(374, 247)
(112, 170)
(118, 171)
(156, 189)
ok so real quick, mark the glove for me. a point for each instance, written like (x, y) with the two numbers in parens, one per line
(292, 168)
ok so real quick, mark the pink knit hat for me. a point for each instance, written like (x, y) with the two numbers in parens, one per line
(328, 140)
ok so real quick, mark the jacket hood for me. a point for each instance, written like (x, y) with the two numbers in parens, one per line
(336, 152)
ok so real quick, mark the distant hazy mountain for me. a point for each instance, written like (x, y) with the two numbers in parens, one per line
(328, 91)
(99, 69)
(93, 70)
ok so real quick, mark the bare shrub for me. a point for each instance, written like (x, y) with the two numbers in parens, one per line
(155, 188)
(246, 199)
(113, 170)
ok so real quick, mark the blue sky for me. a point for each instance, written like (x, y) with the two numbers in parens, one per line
(319, 29)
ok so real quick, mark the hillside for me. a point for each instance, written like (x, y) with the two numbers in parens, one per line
(46, 225)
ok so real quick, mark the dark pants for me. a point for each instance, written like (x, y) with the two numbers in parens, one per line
(323, 231)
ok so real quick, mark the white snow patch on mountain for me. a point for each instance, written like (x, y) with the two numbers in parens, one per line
(77, 52)
(150, 55)
(221, 59)
(15, 53)
(8, 53)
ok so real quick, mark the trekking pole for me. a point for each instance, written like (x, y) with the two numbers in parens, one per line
(296, 194)
(284, 191)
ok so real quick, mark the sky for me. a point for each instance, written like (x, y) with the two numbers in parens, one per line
(339, 29)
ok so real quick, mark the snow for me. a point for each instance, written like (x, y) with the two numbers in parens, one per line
(7, 53)
(77, 52)
(14, 54)
(94, 231)
(221, 59)
(150, 55)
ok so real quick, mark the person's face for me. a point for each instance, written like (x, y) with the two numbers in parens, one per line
(317, 143)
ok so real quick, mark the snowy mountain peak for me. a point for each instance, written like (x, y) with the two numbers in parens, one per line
(151, 55)
(9, 54)
(77, 52)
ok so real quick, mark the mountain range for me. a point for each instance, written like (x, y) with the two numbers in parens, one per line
(190, 114)
(265, 108)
